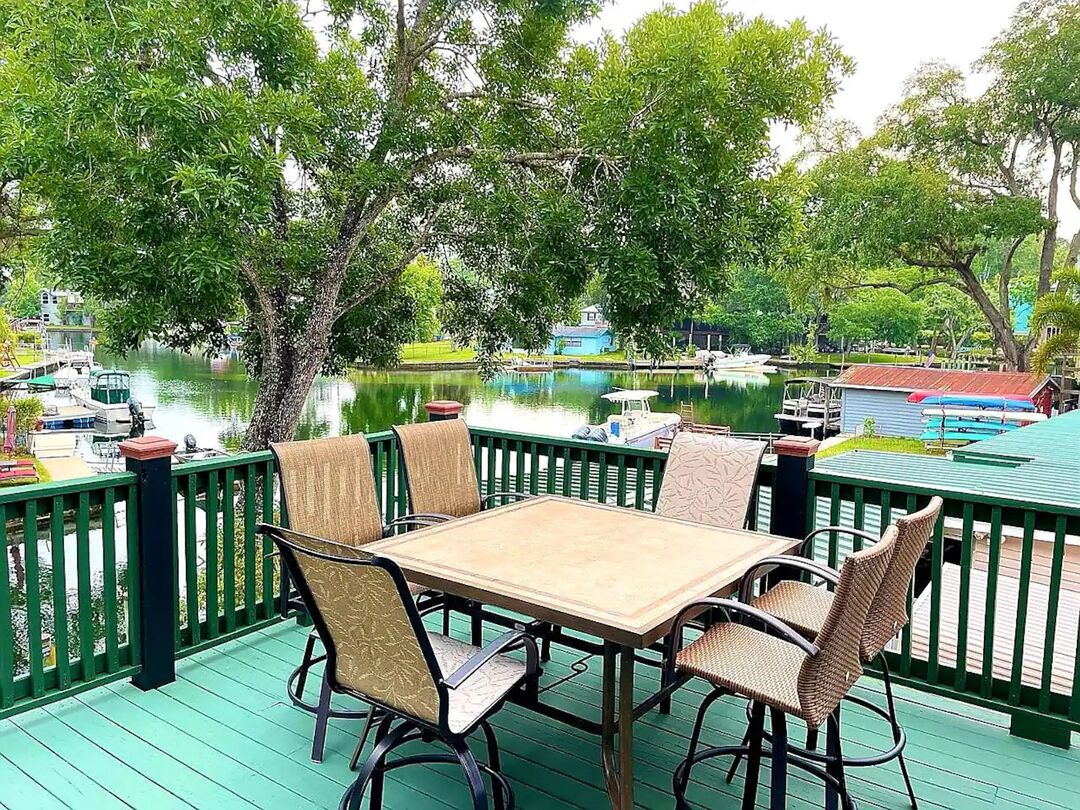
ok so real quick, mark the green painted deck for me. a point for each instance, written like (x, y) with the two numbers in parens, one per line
(225, 736)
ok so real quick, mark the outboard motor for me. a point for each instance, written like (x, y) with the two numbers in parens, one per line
(582, 433)
(597, 434)
(138, 418)
(190, 445)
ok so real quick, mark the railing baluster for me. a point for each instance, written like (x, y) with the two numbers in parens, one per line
(859, 519)
(937, 560)
(228, 548)
(960, 682)
(86, 606)
(191, 559)
(267, 543)
(519, 467)
(62, 653)
(504, 467)
(834, 520)
(602, 477)
(7, 638)
(1046, 682)
(639, 483)
(620, 485)
(567, 473)
(491, 487)
(212, 609)
(534, 468)
(586, 468)
(993, 566)
(1027, 550)
(175, 485)
(392, 462)
(108, 578)
(552, 470)
(657, 480)
(134, 588)
(33, 599)
(249, 545)
(905, 633)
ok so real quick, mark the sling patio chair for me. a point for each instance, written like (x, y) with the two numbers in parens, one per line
(805, 607)
(440, 477)
(426, 686)
(765, 660)
(710, 479)
(328, 490)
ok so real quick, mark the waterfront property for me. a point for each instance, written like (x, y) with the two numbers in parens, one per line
(881, 393)
(581, 340)
(223, 734)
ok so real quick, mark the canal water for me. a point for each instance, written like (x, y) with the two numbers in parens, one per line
(212, 398)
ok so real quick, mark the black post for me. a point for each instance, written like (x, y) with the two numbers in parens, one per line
(794, 461)
(440, 409)
(150, 458)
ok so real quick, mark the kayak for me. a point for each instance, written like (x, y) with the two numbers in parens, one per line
(975, 401)
(921, 396)
(992, 428)
(979, 413)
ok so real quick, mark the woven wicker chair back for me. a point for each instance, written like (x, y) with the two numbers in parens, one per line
(329, 489)
(710, 479)
(439, 468)
(367, 616)
(888, 613)
(825, 678)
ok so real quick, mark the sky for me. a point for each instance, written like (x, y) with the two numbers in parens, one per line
(886, 40)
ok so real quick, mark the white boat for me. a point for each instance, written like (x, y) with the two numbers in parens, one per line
(108, 395)
(636, 425)
(986, 414)
(738, 359)
(70, 377)
(810, 404)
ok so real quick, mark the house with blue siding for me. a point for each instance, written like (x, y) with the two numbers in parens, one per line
(581, 340)
(881, 392)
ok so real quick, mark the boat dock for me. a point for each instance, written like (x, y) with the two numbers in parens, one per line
(19, 376)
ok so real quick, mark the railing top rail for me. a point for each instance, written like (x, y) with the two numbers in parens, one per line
(557, 441)
(72, 486)
(220, 463)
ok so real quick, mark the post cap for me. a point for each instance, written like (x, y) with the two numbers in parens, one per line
(443, 408)
(147, 448)
(798, 446)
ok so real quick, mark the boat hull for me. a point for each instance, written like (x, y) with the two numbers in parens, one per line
(110, 415)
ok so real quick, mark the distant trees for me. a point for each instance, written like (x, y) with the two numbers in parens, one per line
(950, 177)
(885, 315)
(204, 159)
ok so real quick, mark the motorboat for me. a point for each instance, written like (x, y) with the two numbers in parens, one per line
(740, 358)
(108, 395)
(810, 404)
(636, 424)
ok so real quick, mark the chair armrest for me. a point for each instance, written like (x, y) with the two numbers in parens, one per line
(521, 496)
(411, 520)
(839, 530)
(783, 561)
(507, 641)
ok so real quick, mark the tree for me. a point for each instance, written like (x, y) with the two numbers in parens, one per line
(204, 160)
(950, 177)
(757, 310)
(950, 315)
(422, 282)
(1059, 312)
(885, 315)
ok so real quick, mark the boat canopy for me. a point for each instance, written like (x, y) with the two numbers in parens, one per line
(110, 387)
(633, 395)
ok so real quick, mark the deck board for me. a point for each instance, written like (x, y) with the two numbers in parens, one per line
(225, 736)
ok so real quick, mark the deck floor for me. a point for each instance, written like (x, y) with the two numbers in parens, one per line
(225, 736)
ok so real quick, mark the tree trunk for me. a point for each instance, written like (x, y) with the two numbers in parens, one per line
(17, 565)
(1015, 351)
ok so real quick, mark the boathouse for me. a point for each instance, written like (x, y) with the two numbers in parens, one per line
(581, 340)
(881, 392)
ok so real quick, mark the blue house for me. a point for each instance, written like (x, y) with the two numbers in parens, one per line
(579, 340)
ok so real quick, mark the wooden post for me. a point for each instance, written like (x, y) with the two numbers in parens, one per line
(794, 461)
(150, 458)
(441, 409)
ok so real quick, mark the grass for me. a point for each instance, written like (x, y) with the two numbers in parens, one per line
(874, 357)
(886, 444)
(43, 474)
(444, 351)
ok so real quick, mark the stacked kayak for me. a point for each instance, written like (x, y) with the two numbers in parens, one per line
(953, 420)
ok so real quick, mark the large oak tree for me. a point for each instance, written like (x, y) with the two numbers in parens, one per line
(208, 160)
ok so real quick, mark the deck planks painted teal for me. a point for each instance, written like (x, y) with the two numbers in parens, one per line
(225, 736)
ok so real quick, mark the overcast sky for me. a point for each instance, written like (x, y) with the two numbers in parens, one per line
(886, 40)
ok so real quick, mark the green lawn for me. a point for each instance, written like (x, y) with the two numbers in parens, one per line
(863, 357)
(888, 444)
(444, 351)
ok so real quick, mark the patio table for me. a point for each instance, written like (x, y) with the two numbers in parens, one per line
(615, 573)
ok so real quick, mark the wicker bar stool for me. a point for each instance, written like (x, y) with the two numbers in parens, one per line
(441, 480)
(328, 490)
(426, 686)
(765, 660)
(805, 607)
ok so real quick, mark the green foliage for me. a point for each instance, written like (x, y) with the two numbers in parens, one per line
(869, 427)
(422, 282)
(1060, 312)
(877, 315)
(28, 410)
(757, 310)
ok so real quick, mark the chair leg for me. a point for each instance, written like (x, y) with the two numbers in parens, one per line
(305, 665)
(322, 717)
(363, 738)
(545, 645)
(385, 740)
(472, 775)
(737, 760)
(835, 765)
(446, 619)
(495, 764)
(891, 701)
(476, 624)
(695, 735)
(778, 793)
(753, 757)
(811, 739)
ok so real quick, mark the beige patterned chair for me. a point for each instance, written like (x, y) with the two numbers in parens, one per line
(710, 479)
(426, 686)
(805, 607)
(761, 658)
(328, 491)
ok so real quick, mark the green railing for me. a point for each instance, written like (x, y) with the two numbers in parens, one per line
(988, 621)
(69, 608)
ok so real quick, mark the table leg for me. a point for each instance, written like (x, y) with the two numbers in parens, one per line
(618, 774)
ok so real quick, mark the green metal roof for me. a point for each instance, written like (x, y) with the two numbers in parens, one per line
(1039, 463)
